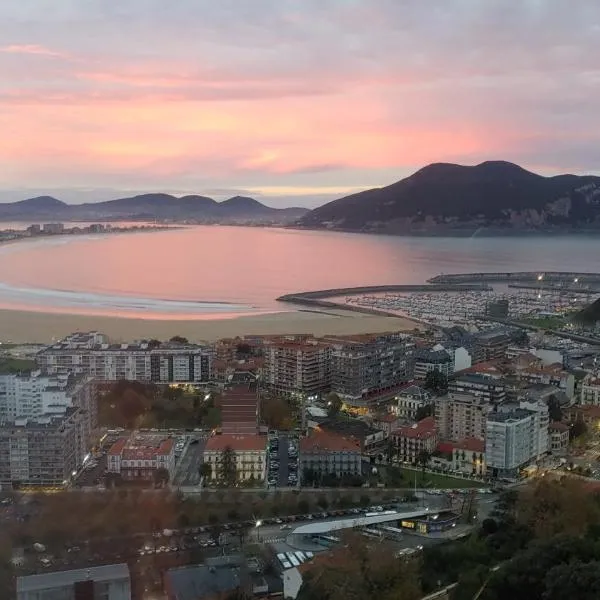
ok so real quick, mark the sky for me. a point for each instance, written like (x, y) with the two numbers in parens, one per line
(292, 101)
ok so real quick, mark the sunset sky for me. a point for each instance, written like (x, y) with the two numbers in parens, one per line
(292, 100)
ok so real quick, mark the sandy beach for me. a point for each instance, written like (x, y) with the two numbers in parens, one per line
(23, 326)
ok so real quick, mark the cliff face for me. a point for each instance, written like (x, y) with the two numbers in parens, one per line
(452, 197)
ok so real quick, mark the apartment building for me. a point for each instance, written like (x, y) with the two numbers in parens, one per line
(41, 451)
(490, 345)
(105, 582)
(250, 453)
(487, 387)
(409, 442)
(590, 389)
(461, 416)
(367, 364)
(297, 367)
(150, 361)
(432, 360)
(408, 402)
(541, 422)
(325, 453)
(511, 443)
(33, 395)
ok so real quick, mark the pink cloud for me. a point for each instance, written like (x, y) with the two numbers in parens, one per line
(32, 49)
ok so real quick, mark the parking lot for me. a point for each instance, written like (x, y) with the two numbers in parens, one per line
(282, 460)
(189, 459)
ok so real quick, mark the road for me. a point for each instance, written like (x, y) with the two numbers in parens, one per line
(187, 473)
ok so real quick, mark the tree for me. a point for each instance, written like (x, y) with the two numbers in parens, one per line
(554, 409)
(178, 339)
(423, 458)
(243, 349)
(334, 404)
(205, 470)
(573, 580)
(226, 469)
(131, 406)
(436, 382)
(577, 429)
(161, 477)
(423, 412)
(277, 414)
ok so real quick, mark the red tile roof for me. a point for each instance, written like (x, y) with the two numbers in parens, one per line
(425, 428)
(471, 444)
(117, 448)
(445, 447)
(321, 440)
(558, 426)
(238, 443)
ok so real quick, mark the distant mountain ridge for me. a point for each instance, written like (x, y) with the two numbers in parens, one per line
(151, 206)
(447, 197)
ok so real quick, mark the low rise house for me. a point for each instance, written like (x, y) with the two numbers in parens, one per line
(588, 414)
(559, 438)
(250, 453)
(325, 453)
(590, 389)
(411, 442)
(141, 456)
(409, 401)
(468, 456)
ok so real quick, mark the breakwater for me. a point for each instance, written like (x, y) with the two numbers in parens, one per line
(522, 276)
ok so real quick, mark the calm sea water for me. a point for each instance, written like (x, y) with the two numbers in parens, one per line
(203, 272)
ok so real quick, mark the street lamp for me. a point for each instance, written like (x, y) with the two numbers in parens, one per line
(540, 277)
(258, 525)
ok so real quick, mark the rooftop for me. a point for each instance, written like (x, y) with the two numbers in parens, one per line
(320, 440)
(201, 581)
(141, 446)
(33, 583)
(471, 445)
(238, 443)
(558, 426)
(424, 429)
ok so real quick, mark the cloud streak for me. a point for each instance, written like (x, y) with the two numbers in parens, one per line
(292, 94)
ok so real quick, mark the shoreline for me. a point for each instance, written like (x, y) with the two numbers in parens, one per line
(19, 326)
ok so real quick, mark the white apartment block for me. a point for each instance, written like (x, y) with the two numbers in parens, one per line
(541, 422)
(461, 416)
(250, 455)
(512, 442)
(148, 361)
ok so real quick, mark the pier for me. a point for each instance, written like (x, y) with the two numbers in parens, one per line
(522, 277)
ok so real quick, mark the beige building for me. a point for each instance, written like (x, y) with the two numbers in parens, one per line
(410, 442)
(250, 455)
(326, 453)
(468, 456)
(590, 389)
(461, 416)
(559, 438)
(409, 401)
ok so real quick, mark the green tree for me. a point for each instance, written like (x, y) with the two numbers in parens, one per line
(226, 469)
(178, 339)
(573, 580)
(554, 410)
(423, 458)
(423, 412)
(577, 429)
(436, 382)
(161, 477)
(205, 471)
(334, 404)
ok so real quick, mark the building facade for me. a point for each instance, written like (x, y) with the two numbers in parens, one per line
(365, 365)
(106, 582)
(41, 451)
(158, 362)
(140, 457)
(327, 453)
(468, 456)
(511, 442)
(461, 416)
(432, 360)
(409, 443)
(408, 402)
(297, 367)
(489, 388)
(559, 438)
(590, 389)
(250, 455)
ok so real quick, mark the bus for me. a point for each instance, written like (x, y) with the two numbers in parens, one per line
(325, 540)
(292, 558)
(391, 532)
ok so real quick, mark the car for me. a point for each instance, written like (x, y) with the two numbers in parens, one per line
(278, 521)
(286, 526)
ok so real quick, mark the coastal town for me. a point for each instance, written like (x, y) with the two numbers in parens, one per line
(260, 454)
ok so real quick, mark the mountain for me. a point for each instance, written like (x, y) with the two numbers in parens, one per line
(445, 197)
(152, 206)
